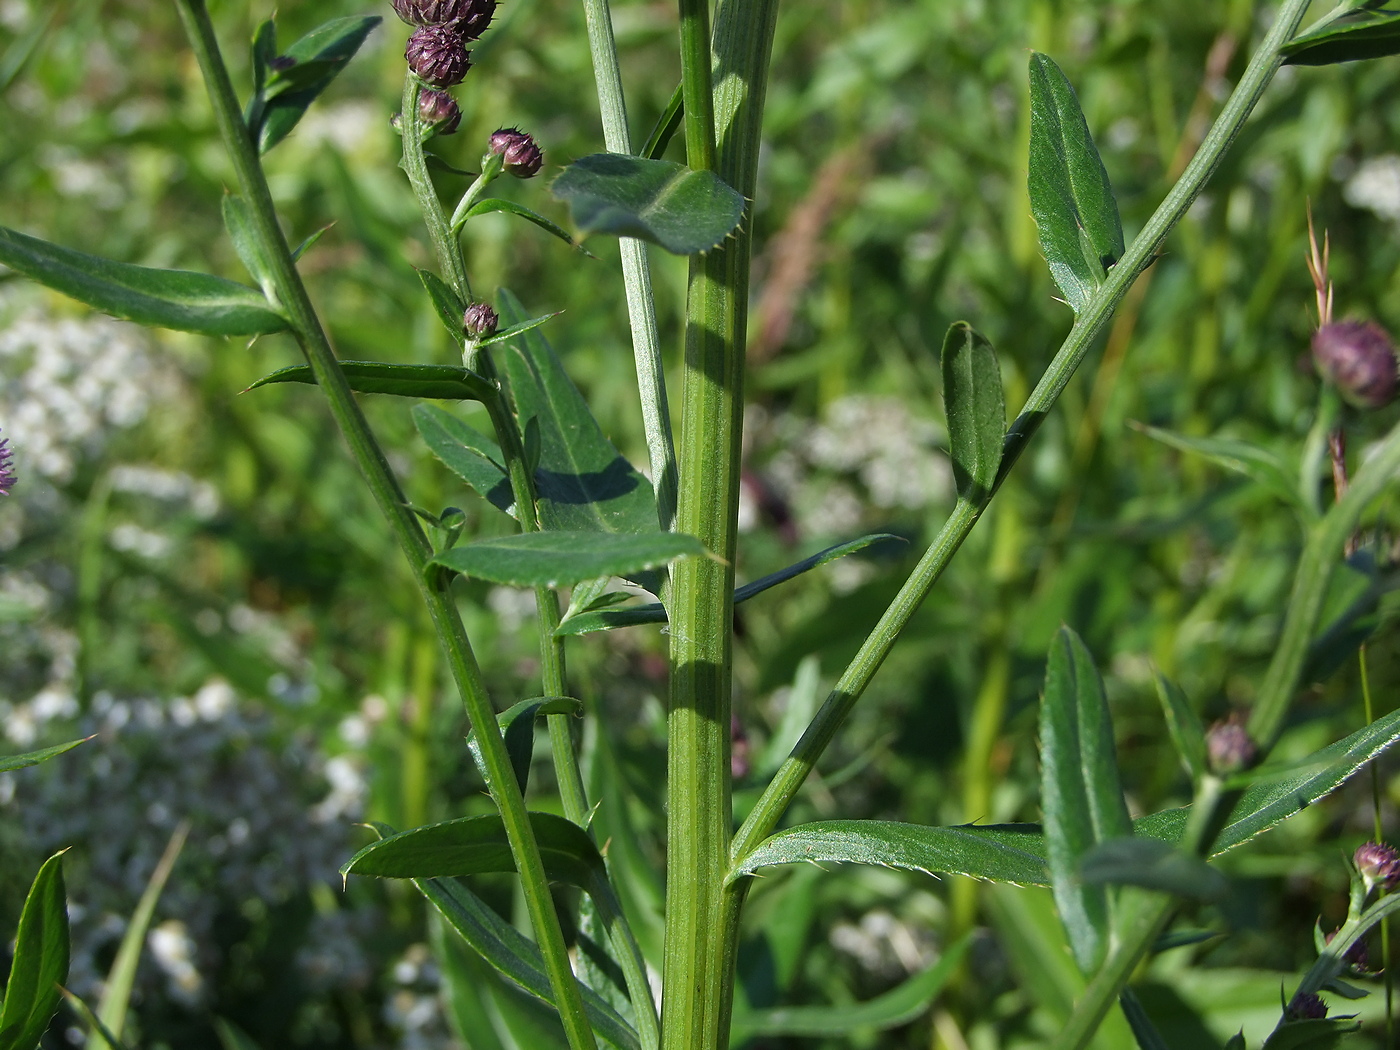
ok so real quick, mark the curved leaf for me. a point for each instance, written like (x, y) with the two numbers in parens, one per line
(668, 204)
(666, 125)
(996, 852)
(467, 452)
(496, 204)
(441, 382)
(1153, 865)
(1352, 38)
(33, 758)
(976, 410)
(1260, 465)
(517, 724)
(40, 965)
(1071, 199)
(1183, 725)
(447, 304)
(324, 52)
(178, 299)
(558, 557)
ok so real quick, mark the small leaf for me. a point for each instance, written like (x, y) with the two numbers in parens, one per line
(1080, 790)
(1346, 991)
(447, 304)
(666, 125)
(495, 204)
(518, 728)
(1353, 37)
(517, 329)
(1144, 1031)
(558, 557)
(327, 49)
(1321, 1033)
(468, 453)
(1184, 726)
(33, 758)
(238, 221)
(1261, 465)
(178, 299)
(1236, 1042)
(995, 852)
(1071, 199)
(442, 382)
(898, 1006)
(976, 410)
(100, 1036)
(1152, 865)
(40, 964)
(310, 242)
(668, 204)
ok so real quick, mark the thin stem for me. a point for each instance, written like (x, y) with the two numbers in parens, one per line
(415, 164)
(779, 794)
(636, 274)
(433, 586)
(1378, 833)
(492, 169)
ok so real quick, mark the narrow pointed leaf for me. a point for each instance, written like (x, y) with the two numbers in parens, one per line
(1363, 35)
(101, 1036)
(447, 304)
(495, 204)
(557, 557)
(976, 410)
(33, 758)
(310, 242)
(40, 964)
(668, 204)
(178, 299)
(1071, 199)
(995, 852)
(898, 1006)
(1152, 865)
(23, 48)
(264, 50)
(666, 125)
(327, 49)
(517, 329)
(1144, 1031)
(1261, 465)
(1184, 726)
(440, 382)
(1322, 1033)
(1081, 795)
(518, 727)
(238, 221)
(467, 452)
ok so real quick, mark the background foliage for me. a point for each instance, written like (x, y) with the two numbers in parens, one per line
(196, 576)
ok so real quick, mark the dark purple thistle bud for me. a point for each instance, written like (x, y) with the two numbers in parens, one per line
(480, 321)
(7, 471)
(518, 151)
(1229, 748)
(469, 17)
(1306, 1006)
(439, 111)
(1358, 358)
(1377, 864)
(438, 55)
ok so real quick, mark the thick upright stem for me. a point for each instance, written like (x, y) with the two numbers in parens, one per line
(433, 587)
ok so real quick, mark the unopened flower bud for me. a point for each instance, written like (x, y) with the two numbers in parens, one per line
(1357, 956)
(1306, 1006)
(518, 151)
(1377, 864)
(469, 17)
(438, 55)
(480, 321)
(1229, 748)
(1359, 359)
(439, 111)
(281, 63)
(7, 471)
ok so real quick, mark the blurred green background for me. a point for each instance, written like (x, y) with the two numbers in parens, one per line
(197, 576)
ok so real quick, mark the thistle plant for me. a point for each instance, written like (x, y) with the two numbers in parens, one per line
(585, 517)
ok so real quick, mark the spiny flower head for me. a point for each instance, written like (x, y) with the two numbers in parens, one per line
(519, 152)
(1229, 748)
(480, 321)
(7, 472)
(1377, 864)
(439, 112)
(469, 17)
(438, 54)
(1306, 1006)
(1359, 359)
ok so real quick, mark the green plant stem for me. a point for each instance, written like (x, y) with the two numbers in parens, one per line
(779, 794)
(1378, 833)
(415, 164)
(636, 274)
(433, 586)
(491, 171)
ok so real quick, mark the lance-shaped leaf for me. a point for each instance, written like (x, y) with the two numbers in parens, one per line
(440, 382)
(289, 92)
(655, 612)
(666, 125)
(495, 204)
(1261, 465)
(1353, 37)
(1144, 1031)
(1071, 199)
(33, 758)
(518, 727)
(468, 453)
(976, 410)
(557, 557)
(1184, 726)
(898, 1006)
(447, 304)
(238, 221)
(1080, 793)
(1012, 853)
(668, 204)
(178, 299)
(40, 964)
(1152, 865)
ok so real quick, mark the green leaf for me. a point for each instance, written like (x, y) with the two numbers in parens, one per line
(23, 48)
(655, 612)
(1236, 1042)
(33, 758)
(898, 1006)
(1152, 865)
(1184, 726)
(1144, 1031)
(495, 204)
(666, 125)
(468, 453)
(310, 242)
(516, 329)
(178, 299)
(101, 1036)
(668, 204)
(238, 221)
(1071, 199)
(447, 304)
(327, 50)
(1350, 611)
(995, 852)
(976, 410)
(1260, 465)
(1321, 1033)
(442, 382)
(518, 727)
(233, 1037)
(559, 557)
(40, 964)
(1275, 797)
(1360, 35)
(1080, 792)
(803, 700)
(468, 992)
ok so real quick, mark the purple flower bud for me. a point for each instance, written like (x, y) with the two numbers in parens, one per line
(1306, 1006)
(438, 55)
(469, 17)
(1229, 749)
(439, 112)
(1357, 956)
(1359, 359)
(7, 472)
(479, 321)
(1377, 864)
(519, 152)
